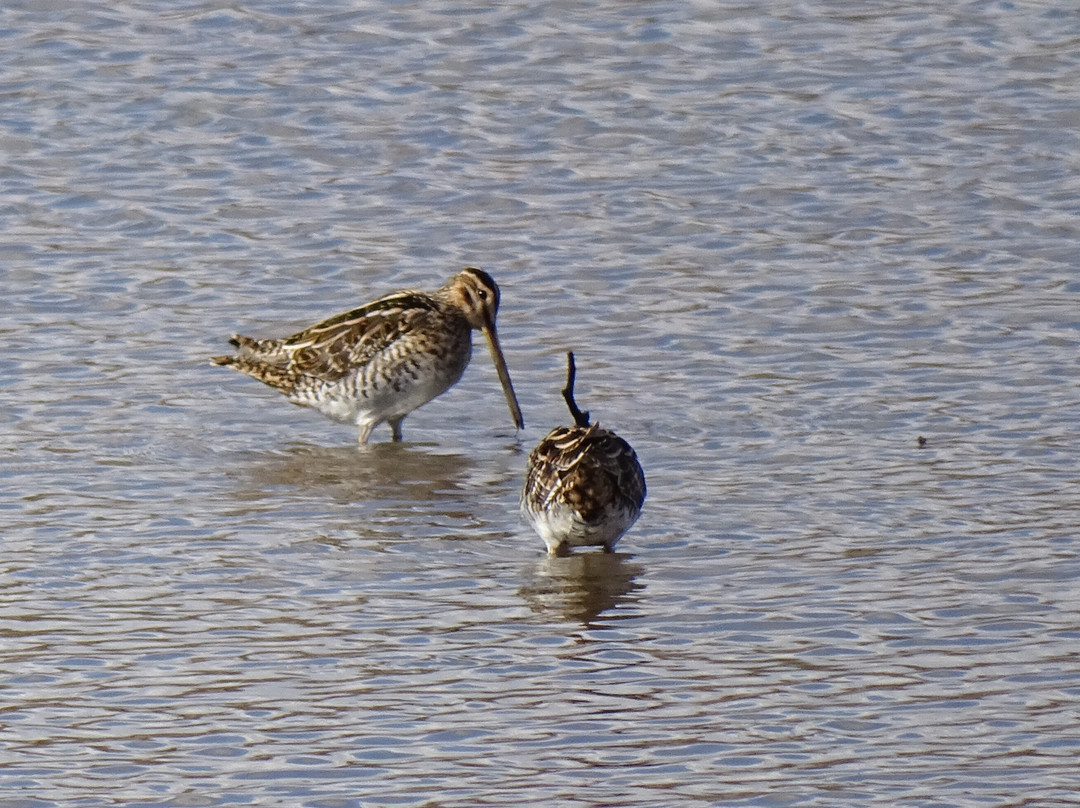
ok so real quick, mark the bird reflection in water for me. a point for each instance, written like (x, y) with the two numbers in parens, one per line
(395, 472)
(581, 587)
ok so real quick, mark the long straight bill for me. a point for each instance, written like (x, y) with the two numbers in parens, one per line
(504, 375)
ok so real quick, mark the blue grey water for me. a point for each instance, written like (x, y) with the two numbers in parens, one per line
(786, 240)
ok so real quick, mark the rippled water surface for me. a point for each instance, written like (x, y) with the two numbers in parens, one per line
(786, 240)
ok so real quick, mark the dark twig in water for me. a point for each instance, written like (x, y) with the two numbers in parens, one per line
(580, 418)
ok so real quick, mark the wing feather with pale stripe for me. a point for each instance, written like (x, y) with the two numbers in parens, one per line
(590, 469)
(329, 349)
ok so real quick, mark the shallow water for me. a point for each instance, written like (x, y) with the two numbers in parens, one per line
(784, 243)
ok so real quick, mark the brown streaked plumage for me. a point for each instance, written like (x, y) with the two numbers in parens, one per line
(583, 485)
(382, 360)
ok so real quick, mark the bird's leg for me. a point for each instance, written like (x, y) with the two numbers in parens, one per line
(395, 426)
(365, 433)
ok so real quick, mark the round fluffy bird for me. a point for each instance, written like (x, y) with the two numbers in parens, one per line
(584, 485)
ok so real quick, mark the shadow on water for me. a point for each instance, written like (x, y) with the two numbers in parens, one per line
(398, 471)
(581, 586)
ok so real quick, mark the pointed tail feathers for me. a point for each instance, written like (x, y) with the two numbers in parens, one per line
(273, 375)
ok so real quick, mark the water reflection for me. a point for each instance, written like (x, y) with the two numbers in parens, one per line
(402, 471)
(581, 586)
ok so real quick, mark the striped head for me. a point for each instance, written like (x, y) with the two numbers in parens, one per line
(476, 295)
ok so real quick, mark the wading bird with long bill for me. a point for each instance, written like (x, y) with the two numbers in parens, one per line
(382, 360)
(583, 485)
